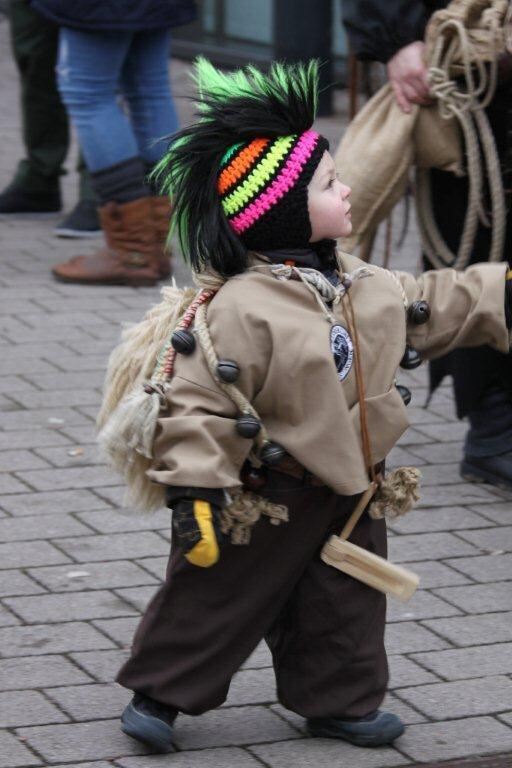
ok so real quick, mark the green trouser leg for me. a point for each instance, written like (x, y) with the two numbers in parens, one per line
(44, 120)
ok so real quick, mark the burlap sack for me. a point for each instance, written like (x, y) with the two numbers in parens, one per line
(378, 149)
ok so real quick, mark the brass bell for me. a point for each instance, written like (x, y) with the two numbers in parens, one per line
(411, 359)
(405, 393)
(228, 371)
(183, 342)
(272, 453)
(419, 312)
(248, 425)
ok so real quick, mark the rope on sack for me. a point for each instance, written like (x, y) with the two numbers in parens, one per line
(467, 107)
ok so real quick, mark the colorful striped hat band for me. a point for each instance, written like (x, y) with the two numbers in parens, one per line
(263, 184)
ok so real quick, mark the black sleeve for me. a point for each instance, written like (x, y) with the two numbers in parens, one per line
(508, 303)
(377, 29)
(214, 496)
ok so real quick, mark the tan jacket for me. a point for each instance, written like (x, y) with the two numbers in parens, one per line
(278, 334)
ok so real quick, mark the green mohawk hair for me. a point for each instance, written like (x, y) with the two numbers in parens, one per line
(232, 107)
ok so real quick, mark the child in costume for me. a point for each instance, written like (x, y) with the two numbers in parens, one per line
(268, 396)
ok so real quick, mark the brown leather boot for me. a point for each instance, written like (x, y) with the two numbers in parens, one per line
(134, 253)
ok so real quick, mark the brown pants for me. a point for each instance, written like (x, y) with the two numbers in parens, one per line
(325, 629)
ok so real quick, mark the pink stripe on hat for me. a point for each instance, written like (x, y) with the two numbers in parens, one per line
(282, 184)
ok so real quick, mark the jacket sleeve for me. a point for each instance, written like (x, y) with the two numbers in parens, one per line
(196, 442)
(377, 29)
(467, 309)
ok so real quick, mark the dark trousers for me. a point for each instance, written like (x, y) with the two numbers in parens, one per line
(325, 630)
(44, 120)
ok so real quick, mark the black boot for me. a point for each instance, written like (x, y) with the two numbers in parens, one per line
(82, 221)
(374, 730)
(150, 722)
(15, 199)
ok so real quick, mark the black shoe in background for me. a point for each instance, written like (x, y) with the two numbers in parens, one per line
(15, 199)
(82, 221)
(149, 721)
(495, 470)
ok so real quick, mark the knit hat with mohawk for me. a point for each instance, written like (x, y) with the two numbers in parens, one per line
(238, 177)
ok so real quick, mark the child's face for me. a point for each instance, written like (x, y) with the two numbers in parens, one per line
(329, 209)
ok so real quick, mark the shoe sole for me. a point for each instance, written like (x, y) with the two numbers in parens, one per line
(147, 730)
(359, 740)
(76, 234)
(473, 475)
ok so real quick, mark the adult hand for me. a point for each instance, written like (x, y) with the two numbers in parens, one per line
(407, 73)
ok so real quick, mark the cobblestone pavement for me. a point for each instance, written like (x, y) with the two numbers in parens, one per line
(77, 572)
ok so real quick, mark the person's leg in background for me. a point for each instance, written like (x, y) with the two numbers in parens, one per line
(35, 186)
(89, 75)
(83, 220)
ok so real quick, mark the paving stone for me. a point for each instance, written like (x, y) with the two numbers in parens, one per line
(479, 598)
(81, 741)
(465, 698)
(76, 606)
(403, 673)
(438, 519)
(433, 574)
(461, 664)
(231, 727)
(46, 527)
(103, 666)
(500, 512)
(15, 582)
(231, 757)
(400, 457)
(70, 578)
(445, 432)
(59, 398)
(474, 630)
(126, 520)
(259, 658)
(440, 474)
(295, 720)
(328, 752)
(412, 437)
(422, 605)
(495, 539)
(252, 686)
(12, 461)
(19, 708)
(10, 441)
(44, 671)
(456, 738)
(50, 502)
(496, 567)
(116, 546)
(39, 639)
(461, 494)
(58, 479)
(71, 455)
(13, 753)
(120, 630)
(408, 715)
(115, 494)
(407, 636)
(9, 484)
(25, 553)
(7, 618)
(91, 702)
(96, 764)
(403, 549)
(438, 453)
(41, 418)
(138, 597)
(155, 565)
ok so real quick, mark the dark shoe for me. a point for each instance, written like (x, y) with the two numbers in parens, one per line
(82, 221)
(496, 470)
(17, 200)
(374, 730)
(150, 722)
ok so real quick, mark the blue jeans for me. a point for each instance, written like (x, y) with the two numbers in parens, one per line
(93, 70)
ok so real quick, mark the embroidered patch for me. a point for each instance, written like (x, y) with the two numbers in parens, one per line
(342, 350)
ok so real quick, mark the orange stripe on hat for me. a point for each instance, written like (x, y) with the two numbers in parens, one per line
(240, 164)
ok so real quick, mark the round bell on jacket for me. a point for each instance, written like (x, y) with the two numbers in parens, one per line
(411, 359)
(228, 371)
(183, 342)
(419, 312)
(248, 426)
(405, 393)
(272, 453)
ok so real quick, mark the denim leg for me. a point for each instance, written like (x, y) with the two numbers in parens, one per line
(146, 87)
(89, 71)
(490, 432)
